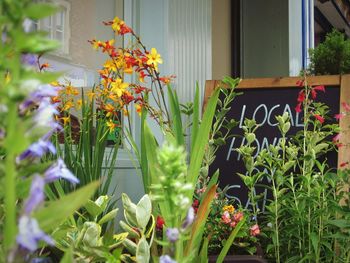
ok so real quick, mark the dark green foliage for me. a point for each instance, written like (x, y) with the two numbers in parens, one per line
(332, 56)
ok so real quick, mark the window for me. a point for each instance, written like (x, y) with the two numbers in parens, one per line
(57, 26)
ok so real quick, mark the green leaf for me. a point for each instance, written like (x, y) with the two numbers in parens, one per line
(92, 208)
(40, 10)
(204, 251)
(109, 216)
(59, 210)
(176, 115)
(143, 211)
(195, 116)
(68, 256)
(201, 141)
(129, 210)
(142, 251)
(229, 241)
(314, 241)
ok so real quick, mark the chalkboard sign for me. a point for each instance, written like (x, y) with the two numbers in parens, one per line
(262, 100)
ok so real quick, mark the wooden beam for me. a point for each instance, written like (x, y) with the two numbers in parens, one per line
(344, 123)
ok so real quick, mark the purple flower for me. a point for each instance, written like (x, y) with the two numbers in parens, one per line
(44, 116)
(29, 59)
(166, 259)
(30, 234)
(37, 94)
(60, 171)
(172, 234)
(189, 218)
(37, 150)
(36, 195)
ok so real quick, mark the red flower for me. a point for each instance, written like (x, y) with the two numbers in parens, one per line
(319, 118)
(346, 106)
(317, 88)
(301, 96)
(226, 219)
(195, 205)
(160, 222)
(298, 107)
(124, 29)
(320, 88)
(339, 116)
(300, 83)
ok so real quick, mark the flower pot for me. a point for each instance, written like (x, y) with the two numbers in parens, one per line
(239, 259)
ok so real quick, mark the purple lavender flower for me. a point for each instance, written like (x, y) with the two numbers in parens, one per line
(60, 171)
(166, 259)
(189, 218)
(44, 116)
(172, 234)
(36, 195)
(30, 234)
(29, 59)
(37, 150)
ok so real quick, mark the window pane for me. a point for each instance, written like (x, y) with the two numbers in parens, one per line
(60, 20)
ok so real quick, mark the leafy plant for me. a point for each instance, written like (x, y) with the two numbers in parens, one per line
(83, 237)
(26, 125)
(331, 56)
(305, 219)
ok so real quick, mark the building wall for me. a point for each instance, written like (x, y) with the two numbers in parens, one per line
(221, 38)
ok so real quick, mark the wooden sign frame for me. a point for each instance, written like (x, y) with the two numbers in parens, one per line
(341, 81)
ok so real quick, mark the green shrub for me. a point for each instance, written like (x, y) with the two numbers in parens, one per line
(331, 56)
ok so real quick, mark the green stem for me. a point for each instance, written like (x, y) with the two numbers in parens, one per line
(10, 179)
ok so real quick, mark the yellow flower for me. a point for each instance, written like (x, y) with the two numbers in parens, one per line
(91, 95)
(154, 58)
(111, 125)
(71, 91)
(96, 44)
(118, 87)
(117, 23)
(110, 65)
(55, 83)
(79, 104)
(66, 120)
(69, 104)
(125, 112)
(229, 208)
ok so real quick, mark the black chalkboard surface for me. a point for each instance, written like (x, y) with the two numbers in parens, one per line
(263, 104)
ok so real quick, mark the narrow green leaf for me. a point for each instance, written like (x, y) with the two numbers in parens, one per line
(108, 217)
(195, 117)
(57, 211)
(229, 241)
(176, 115)
(204, 251)
(201, 141)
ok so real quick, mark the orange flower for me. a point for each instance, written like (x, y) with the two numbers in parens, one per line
(138, 108)
(45, 65)
(91, 95)
(109, 109)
